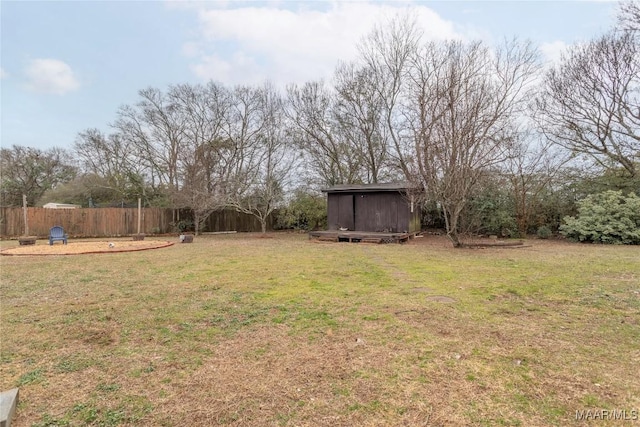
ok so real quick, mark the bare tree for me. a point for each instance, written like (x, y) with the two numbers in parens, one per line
(358, 111)
(318, 136)
(531, 168)
(386, 52)
(464, 99)
(200, 191)
(590, 103)
(201, 175)
(629, 15)
(193, 140)
(30, 171)
(156, 126)
(259, 184)
(110, 163)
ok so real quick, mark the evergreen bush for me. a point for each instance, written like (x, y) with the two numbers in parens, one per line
(544, 232)
(607, 217)
(305, 211)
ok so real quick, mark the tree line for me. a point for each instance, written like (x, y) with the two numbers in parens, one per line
(492, 139)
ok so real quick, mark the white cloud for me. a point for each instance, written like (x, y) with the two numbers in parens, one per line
(50, 76)
(191, 49)
(553, 51)
(3, 73)
(249, 44)
(239, 68)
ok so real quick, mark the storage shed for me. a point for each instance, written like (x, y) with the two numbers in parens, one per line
(379, 208)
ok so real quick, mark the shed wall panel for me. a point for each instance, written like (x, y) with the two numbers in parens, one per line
(346, 216)
(340, 211)
(377, 212)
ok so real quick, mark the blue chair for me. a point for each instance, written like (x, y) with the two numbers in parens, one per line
(57, 233)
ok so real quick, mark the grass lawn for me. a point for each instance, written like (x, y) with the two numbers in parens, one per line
(281, 331)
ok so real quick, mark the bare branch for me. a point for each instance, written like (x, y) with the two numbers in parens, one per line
(590, 104)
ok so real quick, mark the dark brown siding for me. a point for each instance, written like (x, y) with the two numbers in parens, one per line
(372, 211)
(378, 212)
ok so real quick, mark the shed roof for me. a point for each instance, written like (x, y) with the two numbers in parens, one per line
(364, 188)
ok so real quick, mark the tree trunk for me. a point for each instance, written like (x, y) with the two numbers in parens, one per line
(453, 235)
(451, 222)
(263, 225)
(521, 211)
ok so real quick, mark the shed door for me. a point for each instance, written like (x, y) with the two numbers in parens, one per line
(377, 212)
(345, 211)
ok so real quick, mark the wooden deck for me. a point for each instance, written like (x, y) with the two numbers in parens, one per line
(360, 236)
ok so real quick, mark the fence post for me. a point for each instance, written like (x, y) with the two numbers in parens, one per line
(139, 212)
(24, 210)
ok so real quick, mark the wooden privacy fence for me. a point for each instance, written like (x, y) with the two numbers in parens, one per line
(103, 222)
(90, 222)
(230, 220)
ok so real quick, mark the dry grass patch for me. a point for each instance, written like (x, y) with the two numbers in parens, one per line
(236, 330)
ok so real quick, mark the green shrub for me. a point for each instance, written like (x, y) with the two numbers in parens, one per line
(490, 210)
(544, 232)
(607, 217)
(305, 211)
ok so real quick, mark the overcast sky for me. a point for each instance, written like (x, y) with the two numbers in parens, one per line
(68, 66)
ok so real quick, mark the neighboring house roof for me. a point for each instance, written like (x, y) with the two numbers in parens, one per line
(60, 206)
(364, 188)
